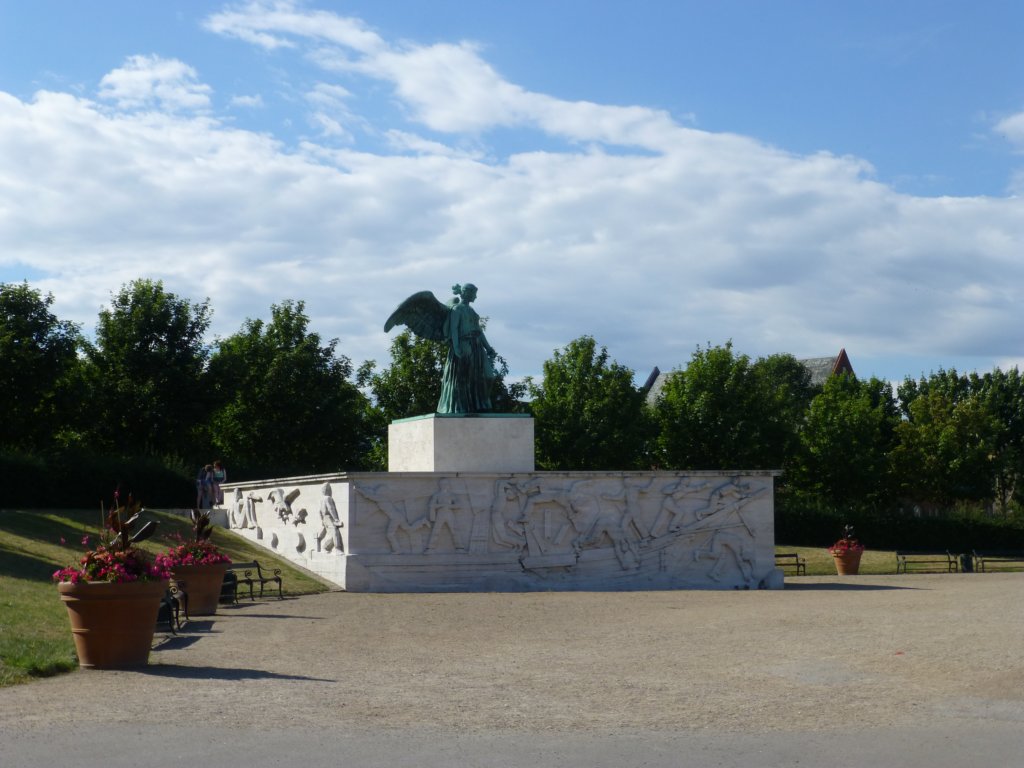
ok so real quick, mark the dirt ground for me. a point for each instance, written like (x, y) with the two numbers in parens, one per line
(825, 652)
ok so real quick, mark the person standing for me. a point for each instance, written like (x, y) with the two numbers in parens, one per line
(204, 487)
(220, 475)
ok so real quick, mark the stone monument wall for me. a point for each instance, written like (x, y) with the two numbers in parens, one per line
(477, 531)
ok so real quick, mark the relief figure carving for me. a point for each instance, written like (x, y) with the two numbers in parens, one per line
(329, 537)
(249, 513)
(237, 511)
(446, 510)
(677, 496)
(398, 521)
(598, 515)
(503, 534)
(283, 505)
(727, 549)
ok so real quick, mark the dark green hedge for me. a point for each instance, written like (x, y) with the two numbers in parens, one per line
(76, 480)
(803, 525)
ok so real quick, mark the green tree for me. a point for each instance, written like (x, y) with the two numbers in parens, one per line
(944, 450)
(1002, 393)
(786, 392)
(589, 415)
(286, 402)
(724, 412)
(963, 437)
(38, 362)
(847, 438)
(147, 367)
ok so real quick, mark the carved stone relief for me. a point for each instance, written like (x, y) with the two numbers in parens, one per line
(549, 521)
(329, 537)
(394, 509)
(539, 528)
(283, 506)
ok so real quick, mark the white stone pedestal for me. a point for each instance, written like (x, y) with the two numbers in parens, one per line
(487, 532)
(476, 443)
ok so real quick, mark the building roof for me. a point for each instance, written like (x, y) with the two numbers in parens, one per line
(820, 367)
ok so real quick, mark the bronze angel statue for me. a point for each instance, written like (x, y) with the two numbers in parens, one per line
(469, 365)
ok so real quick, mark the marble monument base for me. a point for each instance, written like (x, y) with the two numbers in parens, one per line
(518, 531)
(461, 443)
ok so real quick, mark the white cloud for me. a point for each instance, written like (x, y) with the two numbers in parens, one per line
(1012, 128)
(446, 87)
(268, 25)
(248, 102)
(700, 236)
(404, 141)
(331, 114)
(151, 81)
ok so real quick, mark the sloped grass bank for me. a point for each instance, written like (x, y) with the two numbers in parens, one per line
(35, 638)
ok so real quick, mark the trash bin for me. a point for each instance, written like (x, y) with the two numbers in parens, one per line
(966, 564)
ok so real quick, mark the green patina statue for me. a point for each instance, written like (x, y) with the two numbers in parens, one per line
(469, 366)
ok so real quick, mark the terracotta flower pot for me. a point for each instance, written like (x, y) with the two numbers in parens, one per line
(848, 563)
(113, 624)
(202, 584)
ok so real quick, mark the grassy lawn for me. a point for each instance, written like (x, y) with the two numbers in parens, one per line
(820, 562)
(35, 637)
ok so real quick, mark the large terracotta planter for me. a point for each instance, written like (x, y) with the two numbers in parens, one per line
(202, 584)
(848, 563)
(113, 624)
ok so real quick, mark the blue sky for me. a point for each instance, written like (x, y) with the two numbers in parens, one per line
(794, 176)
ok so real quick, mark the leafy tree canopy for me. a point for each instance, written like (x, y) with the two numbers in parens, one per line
(589, 415)
(847, 437)
(725, 412)
(287, 405)
(147, 371)
(38, 357)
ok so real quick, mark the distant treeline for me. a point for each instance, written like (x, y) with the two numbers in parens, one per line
(151, 399)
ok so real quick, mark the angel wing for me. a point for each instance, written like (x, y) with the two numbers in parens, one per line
(424, 315)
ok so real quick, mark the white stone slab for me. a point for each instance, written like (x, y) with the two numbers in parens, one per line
(478, 443)
(433, 532)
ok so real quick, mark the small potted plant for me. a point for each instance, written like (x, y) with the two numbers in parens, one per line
(112, 595)
(846, 552)
(197, 566)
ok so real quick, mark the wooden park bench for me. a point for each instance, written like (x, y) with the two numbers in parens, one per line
(998, 561)
(792, 560)
(927, 562)
(250, 574)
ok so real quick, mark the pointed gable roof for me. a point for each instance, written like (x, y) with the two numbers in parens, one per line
(820, 367)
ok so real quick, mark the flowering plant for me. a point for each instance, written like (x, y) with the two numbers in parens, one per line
(849, 543)
(199, 550)
(192, 553)
(119, 560)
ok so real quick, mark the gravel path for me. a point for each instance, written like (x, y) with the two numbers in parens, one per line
(825, 654)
